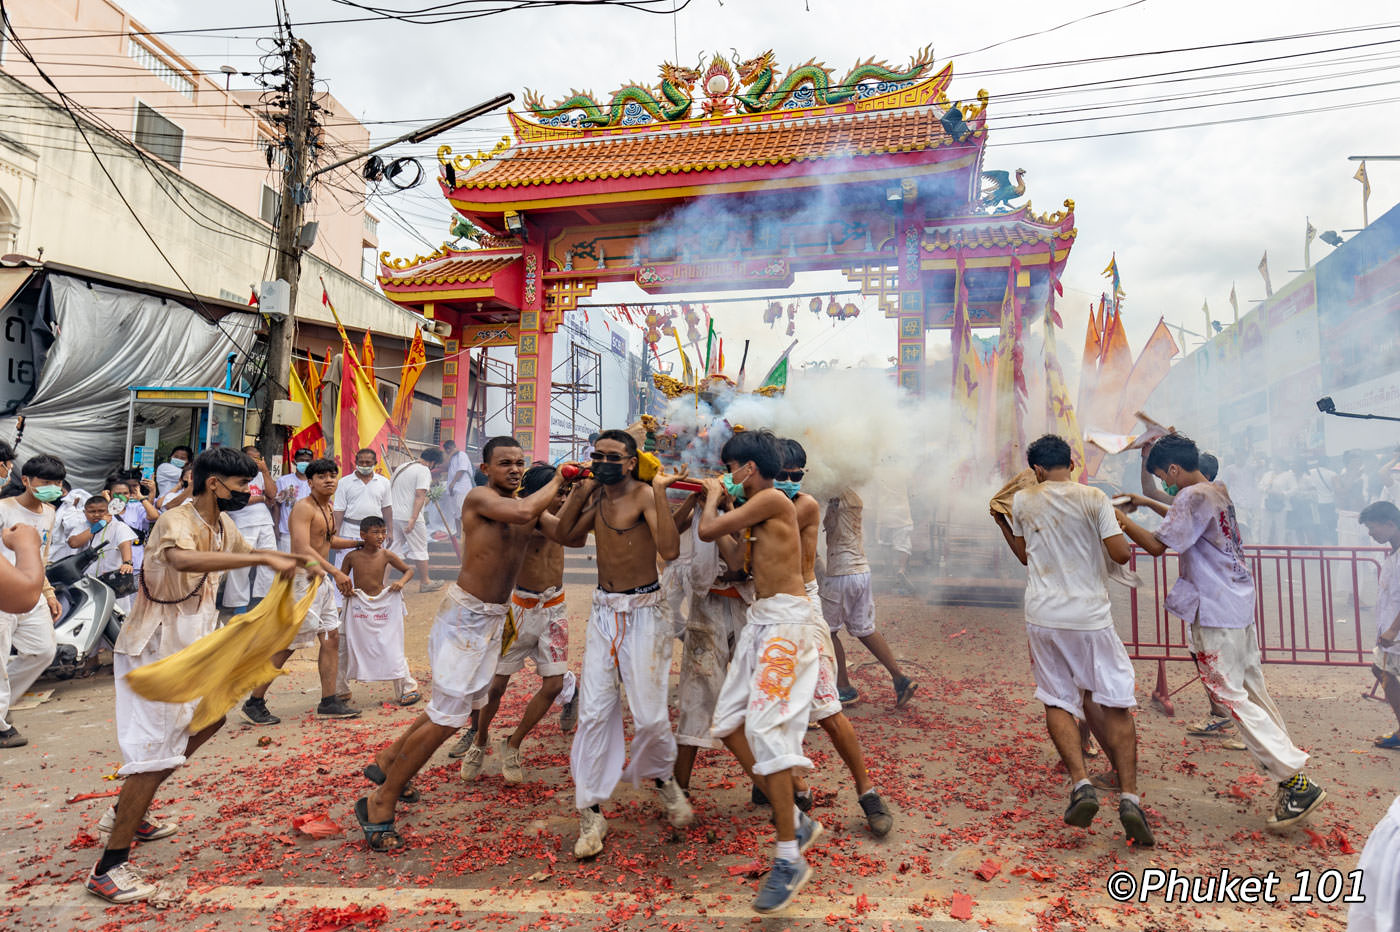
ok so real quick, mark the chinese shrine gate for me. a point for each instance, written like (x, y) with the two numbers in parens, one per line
(722, 177)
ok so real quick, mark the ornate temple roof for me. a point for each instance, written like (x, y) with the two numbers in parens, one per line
(747, 120)
(1015, 228)
(447, 273)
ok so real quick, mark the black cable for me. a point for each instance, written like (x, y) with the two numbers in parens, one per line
(77, 122)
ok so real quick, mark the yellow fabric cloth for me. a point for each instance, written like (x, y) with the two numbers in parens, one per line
(223, 666)
(1001, 502)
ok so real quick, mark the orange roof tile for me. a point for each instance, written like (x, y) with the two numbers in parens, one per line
(709, 147)
(451, 271)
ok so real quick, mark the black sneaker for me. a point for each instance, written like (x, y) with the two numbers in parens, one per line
(804, 801)
(758, 797)
(335, 707)
(1293, 806)
(1134, 822)
(11, 738)
(903, 691)
(463, 744)
(877, 814)
(568, 715)
(1083, 804)
(256, 713)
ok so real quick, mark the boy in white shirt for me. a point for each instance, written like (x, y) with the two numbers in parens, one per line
(1059, 529)
(29, 634)
(1382, 521)
(1215, 596)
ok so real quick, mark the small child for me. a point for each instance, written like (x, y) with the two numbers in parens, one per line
(374, 614)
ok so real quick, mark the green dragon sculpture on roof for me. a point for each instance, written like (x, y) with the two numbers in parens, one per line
(727, 86)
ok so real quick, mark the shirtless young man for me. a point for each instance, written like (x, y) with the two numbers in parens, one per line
(629, 641)
(768, 693)
(541, 635)
(465, 642)
(374, 615)
(311, 526)
(834, 722)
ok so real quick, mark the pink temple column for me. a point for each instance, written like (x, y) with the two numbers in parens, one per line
(911, 305)
(534, 360)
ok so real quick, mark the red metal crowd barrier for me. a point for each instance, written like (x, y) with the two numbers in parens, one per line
(1312, 606)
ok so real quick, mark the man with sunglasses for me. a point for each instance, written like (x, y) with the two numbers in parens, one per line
(629, 638)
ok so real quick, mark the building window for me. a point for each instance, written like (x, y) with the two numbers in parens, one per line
(369, 265)
(159, 67)
(158, 136)
(271, 206)
(386, 395)
(371, 226)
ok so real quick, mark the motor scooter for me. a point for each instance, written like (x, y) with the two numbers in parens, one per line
(88, 613)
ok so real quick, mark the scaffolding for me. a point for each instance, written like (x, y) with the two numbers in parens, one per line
(487, 373)
(576, 399)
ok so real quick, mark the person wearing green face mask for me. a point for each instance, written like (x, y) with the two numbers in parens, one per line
(29, 635)
(168, 474)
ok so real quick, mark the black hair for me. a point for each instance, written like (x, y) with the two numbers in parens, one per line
(251, 448)
(1210, 466)
(622, 437)
(7, 452)
(1049, 452)
(43, 466)
(794, 456)
(449, 444)
(432, 455)
(114, 479)
(536, 478)
(300, 450)
(1174, 450)
(221, 461)
(760, 446)
(370, 523)
(367, 450)
(1380, 511)
(317, 467)
(186, 449)
(497, 443)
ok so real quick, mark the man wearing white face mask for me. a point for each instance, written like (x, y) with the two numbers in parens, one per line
(291, 488)
(29, 634)
(168, 474)
(361, 496)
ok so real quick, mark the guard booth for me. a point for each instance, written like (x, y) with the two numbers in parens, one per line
(164, 418)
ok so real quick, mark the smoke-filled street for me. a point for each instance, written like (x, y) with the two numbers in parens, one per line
(972, 782)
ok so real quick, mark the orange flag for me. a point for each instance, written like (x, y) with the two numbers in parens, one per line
(1093, 352)
(412, 367)
(367, 354)
(314, 378)
(1151, 368)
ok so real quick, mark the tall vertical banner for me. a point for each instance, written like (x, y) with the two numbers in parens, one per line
(1010, 378)
(965, 361)
(413, 365)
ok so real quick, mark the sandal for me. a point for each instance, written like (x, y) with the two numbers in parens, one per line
(380, 836)
(409, 698)
(375, 774)
(1390, 742)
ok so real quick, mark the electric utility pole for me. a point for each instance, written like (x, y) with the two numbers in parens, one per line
(296, 142)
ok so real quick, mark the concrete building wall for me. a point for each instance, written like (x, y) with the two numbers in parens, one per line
(92, 51)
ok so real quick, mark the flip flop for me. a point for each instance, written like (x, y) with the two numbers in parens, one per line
(378, 835)
(1390, 742)
(375, 774)
(409, 698)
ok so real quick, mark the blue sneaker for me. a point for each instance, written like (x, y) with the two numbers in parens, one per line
(784, 880)
(808, 831)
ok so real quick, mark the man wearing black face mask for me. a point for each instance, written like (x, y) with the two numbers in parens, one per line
(189, 548)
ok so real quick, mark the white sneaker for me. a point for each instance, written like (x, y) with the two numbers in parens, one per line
(472, 762)
(146, 831)
(592, 828)
(512, 767)
(678, 809)
(121, 884)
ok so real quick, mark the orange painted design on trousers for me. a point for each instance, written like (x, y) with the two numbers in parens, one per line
(777, 669)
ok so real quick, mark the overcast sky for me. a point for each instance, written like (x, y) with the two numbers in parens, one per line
(1188, 211)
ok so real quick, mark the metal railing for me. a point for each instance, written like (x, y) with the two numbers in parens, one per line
(1310, 605)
